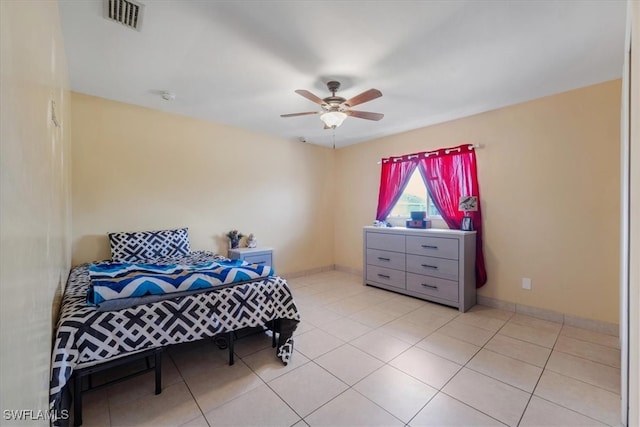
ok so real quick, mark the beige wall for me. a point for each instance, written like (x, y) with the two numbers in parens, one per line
(141, 169)
(634, 215)
(549, 177)
(35, 197)
(559, 155)
(567, 243)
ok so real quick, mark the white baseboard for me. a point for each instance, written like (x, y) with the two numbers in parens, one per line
(356, 271)
(308, 272)
(553, 316)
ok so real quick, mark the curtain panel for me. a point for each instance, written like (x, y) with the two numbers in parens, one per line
(448, 174)
(394, 177)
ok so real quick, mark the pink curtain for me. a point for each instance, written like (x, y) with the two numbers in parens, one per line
(394, 177)
(448, 174)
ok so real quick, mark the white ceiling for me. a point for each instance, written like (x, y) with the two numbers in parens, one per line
(239, 62)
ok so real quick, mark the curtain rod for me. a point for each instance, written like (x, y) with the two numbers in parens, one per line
(447, 151)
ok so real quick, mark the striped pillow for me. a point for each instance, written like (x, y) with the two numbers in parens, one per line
(144, 245)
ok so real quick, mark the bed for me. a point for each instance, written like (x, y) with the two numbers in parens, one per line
(88, 335)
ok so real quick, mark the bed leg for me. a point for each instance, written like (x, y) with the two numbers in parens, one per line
(158, 364)
(77, 400)
(231, 342)
(274, 327)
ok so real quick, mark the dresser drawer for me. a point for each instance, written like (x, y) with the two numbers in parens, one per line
(387, 276)
(430, 266)
(439, 247)
(264, 259)
(433, 287)
(384, 241)
(386, 259)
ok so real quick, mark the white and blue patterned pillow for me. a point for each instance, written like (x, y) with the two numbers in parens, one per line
(145, 245)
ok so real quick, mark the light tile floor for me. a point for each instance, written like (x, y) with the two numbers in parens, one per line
(364, 357)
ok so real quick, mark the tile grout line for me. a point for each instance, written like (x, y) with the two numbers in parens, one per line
(544, 368)
(188, 388)
(385, 363)
(540, 377)
(587, 359)
(349, 387)
(441, 390)
(414, 345)
(278, 394)
(380, 305)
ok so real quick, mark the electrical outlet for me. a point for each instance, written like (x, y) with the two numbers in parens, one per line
(526, 283)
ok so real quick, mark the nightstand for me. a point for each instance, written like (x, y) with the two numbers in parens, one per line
(253, 255)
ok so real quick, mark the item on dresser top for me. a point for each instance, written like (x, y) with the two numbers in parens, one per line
(252, 242)
(467, 204)
(417, 215)
(466, 224)
(419, 223)
(234, 238)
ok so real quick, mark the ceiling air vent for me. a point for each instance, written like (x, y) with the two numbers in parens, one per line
(125, 12)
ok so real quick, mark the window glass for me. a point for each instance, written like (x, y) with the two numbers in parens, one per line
(414, 198)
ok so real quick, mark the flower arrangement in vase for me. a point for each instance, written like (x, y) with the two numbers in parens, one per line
(234, 238)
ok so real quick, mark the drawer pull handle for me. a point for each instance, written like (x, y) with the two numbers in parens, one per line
(434, 267)
(384, 276)
(384, 259)
(429, 247)
(260, 262)
(429, 286)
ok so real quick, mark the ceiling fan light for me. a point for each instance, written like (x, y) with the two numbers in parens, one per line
(333, 119)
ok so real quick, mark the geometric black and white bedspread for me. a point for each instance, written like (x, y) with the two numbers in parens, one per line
(85, 335)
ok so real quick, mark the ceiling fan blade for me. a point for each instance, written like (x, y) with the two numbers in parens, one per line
(364, 115)
(365, 96)
(299, 114)
(311, 97)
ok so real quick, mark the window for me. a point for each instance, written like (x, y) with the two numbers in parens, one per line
(414, 198)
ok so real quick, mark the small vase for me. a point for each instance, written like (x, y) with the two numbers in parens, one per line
(235, 243)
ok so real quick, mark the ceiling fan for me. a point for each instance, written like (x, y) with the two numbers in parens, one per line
(336, 108)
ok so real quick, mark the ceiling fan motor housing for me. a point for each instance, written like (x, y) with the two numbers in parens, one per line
(334, 103)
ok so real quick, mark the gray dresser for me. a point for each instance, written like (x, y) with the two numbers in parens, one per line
(432, 264)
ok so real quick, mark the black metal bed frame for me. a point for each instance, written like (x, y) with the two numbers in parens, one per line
(80, 374)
